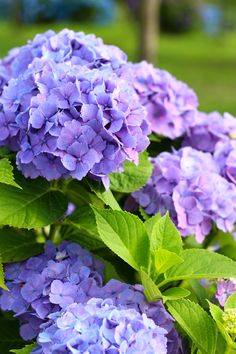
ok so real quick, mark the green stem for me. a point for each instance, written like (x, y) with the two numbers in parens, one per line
(54, 234)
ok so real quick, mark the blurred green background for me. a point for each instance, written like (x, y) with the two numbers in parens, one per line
(205, 61)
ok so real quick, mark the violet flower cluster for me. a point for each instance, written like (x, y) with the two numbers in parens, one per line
(204, 131)
(100, 327)
(188, 184)
(65, 111)
(225, 288)
(66, 283)
(170, 103)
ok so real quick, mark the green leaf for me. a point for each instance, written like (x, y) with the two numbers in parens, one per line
(2, 282)
(106, 196)
(9, 335)
(36, 205)
(231, 302)
(26, 350)
(17, 245)
(217, 315)
(175, 294)
(151, 290)
(125, 235)
(196, 323)
(165, 260)
(200, 263)
(165, 235)
(6, 173)
(134, 177)
(150, 223)
(83, 228)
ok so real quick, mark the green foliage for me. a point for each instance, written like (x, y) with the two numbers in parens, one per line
(198, 325)
(217, 315)
(82, 228)
(17, 245)
(125, 235)
(106, 196)
(231, 302)
(151, 290)
(2, 282)
(134, 177)
(6, 173)
(165, 260)
(165, 235)
(26, 350)
(37, 204)
(9, 335)
(199, 263)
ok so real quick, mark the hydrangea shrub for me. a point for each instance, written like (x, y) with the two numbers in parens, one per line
(117, 206)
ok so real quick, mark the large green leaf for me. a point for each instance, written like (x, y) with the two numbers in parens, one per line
(217, 315)
(199, 263)
(36, 205)
(231, 302)
(165, 235)
(6, 173)
(2, 282)
(83, 228)
(165, 260)
(196, 323)
(134, 177)
(26, 350)
(125, 235)
(17, 245)
(151, 290)
(106, 196)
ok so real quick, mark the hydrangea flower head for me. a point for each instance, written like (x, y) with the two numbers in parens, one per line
(101, 327)
(46, 283)
(170, 103)
(225, 288)
(72, 124)
(188, 184)
(206, 130)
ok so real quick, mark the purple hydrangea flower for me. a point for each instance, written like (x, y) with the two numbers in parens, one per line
(170, 103)
(206, 130)
(188, 184)
(225, 288)
(225, 157)
(72, 123)
(66, 112)
(98, 327)
(68, 276)
(48, 282)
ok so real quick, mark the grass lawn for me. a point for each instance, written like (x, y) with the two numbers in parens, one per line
(208, 65)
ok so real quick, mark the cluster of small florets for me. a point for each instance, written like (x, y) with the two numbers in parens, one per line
(66, 283)
(170, 103)
(188, 184)
(46, 283)
(65, 111)
(204, 131)
(100, 327)
(225, 288)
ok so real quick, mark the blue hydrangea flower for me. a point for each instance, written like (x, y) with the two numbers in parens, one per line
(48, 282)
(170, 103)
(225, 288)
(68, 276)
(101, 327)
(206, 130)
(65, 111)
(188, 184)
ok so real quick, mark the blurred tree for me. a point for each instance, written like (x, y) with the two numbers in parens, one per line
(148, 29)
(16, 11)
